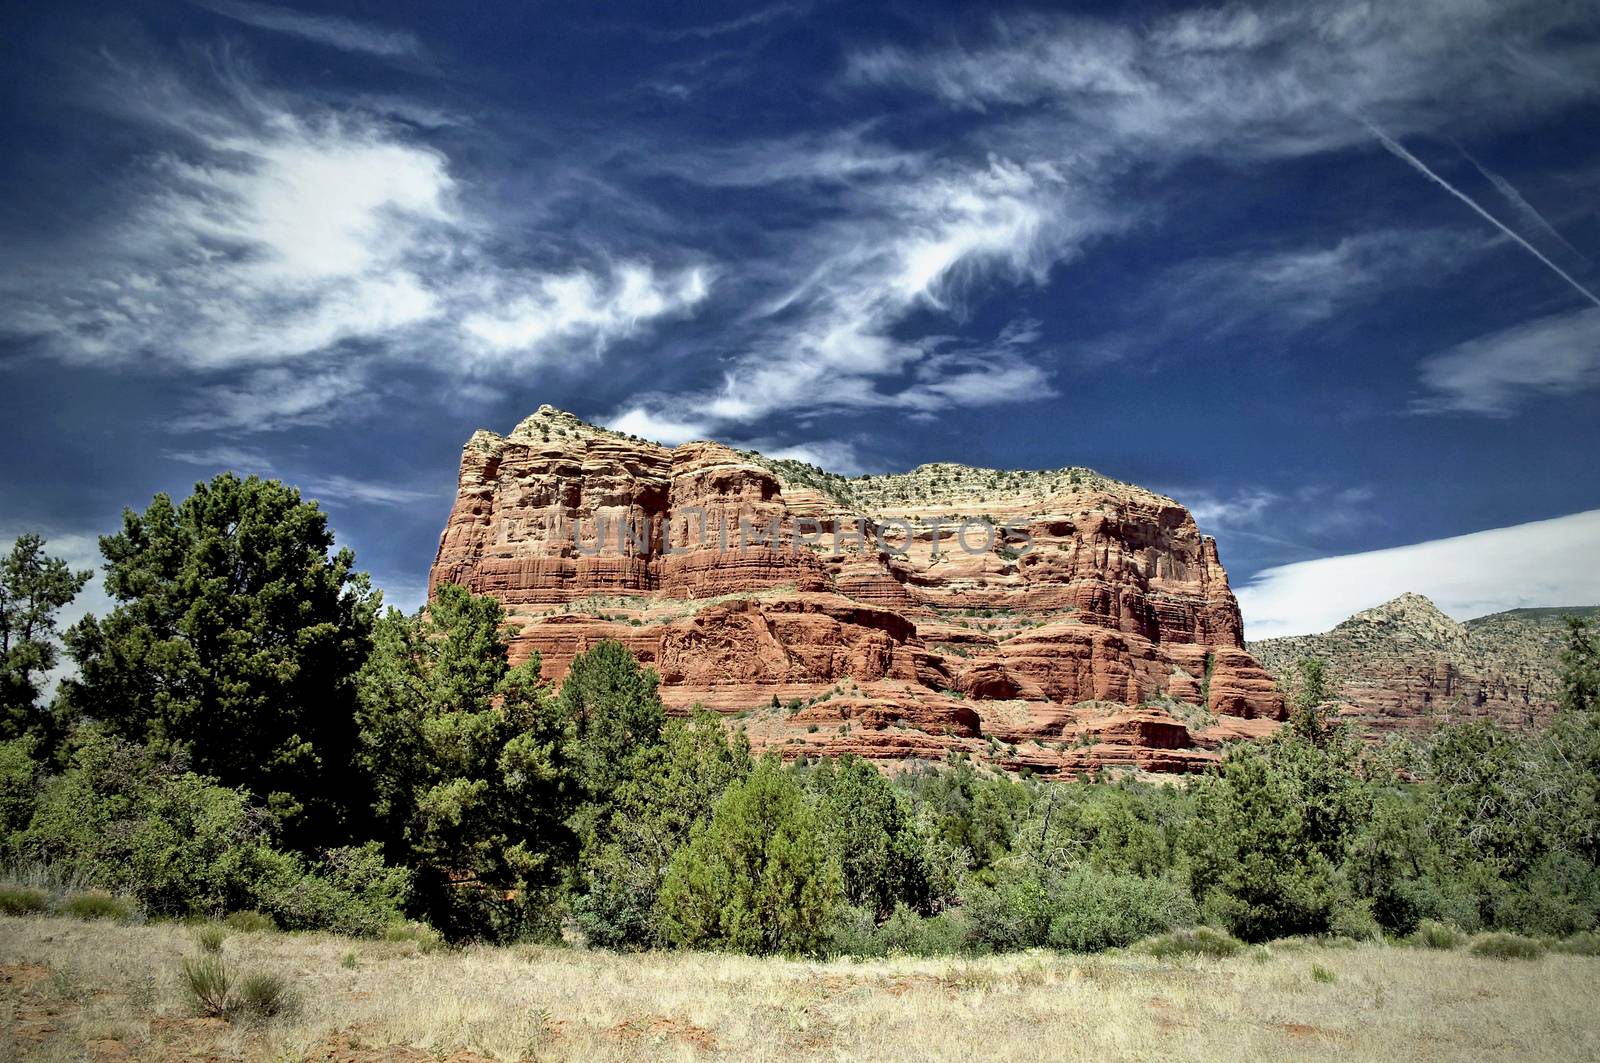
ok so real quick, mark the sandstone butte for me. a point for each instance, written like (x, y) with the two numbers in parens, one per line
(1405, 667)
(1096, 630)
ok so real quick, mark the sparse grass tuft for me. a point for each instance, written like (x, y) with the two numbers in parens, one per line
(22, 900)
(210, 937)
(97, 905)
(348, 961)
(1320, 973)
(209, 984)
(264, 995)
(1507, 947)
(1434, 935)
(1200, 941)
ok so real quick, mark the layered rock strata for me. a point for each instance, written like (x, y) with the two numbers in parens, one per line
(1405, 667)
(1058, 621)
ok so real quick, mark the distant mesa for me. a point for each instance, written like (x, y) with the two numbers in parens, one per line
(1407, 667)
(1096, 629)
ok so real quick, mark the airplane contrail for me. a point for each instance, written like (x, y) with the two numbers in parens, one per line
(1396, 149)
(1529, 212)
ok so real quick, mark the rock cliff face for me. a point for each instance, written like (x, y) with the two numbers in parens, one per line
(1056, 620)
(1406, 667)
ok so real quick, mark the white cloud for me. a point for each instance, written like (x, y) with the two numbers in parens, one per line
(337, 489)
(525, 316)
(350, 490)
(1265, 80)
(665, 428)
(1537, 564)
(339, 32)
(244, 460)
(1493, 374)
(288, 247)
(835, 456)
(1288, 289)
(279, 397)
(907, 245)
(286, 236)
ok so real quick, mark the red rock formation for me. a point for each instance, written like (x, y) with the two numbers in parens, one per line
(888, 616)
(1404, 667)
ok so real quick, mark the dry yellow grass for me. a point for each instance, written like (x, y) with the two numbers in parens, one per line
(71, 990)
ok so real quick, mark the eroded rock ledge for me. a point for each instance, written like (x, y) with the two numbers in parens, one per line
(1099, 629)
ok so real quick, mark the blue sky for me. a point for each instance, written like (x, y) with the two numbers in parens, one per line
(1325, 273)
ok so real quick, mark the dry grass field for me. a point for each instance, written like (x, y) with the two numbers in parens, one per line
(72, 990)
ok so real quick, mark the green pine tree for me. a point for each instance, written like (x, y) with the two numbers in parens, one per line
(757, 877)
(33, 589)
(471, 767)
(235, 641)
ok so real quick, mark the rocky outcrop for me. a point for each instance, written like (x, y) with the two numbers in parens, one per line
(1055, 620)
(1406, 667)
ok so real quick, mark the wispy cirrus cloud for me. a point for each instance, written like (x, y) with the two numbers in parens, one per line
(1275, 292)
(1260, 80)
(829, 338)
(280, 248)
(343, 33)
(1493, 375)
(335, 488)
(1254, 84)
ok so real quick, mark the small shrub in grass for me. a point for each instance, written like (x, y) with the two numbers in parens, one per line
(209, 984)
(425, 937)
(250, 922)
(22, 900)
(1200, 941)
(1356, 923)
(1507, 947)
(1435, 935)
(1586, 943)
(210, 937)
(97, 905)
(264, 995)
(1320, 973)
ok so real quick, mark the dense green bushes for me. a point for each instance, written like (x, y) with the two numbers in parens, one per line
(225, 751)
(757, 876)
(131, 823)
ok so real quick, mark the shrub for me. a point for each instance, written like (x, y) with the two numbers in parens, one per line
(264, 995)
(1081, 910)
(22, 900)
(1507, 947)
(209, 984)
(1356, 922)
(123, 819)
(1432, 934)
(425, 937)
(97, 905)
(251, 922)
(1584, 944)
(757, 876)
(210, 937)
(915, 935)
(352, 892)
(1200, 941)
(852, 932)
(1095, 910)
